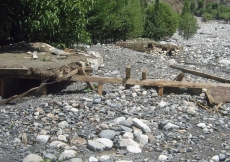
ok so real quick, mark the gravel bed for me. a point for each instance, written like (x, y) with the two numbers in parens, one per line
(127, 124)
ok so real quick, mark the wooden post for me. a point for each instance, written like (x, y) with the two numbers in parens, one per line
(100, 85)
(160, 90)
(128, 75)
(2, 87)
(144, 73)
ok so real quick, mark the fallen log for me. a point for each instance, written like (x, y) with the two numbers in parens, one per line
(147, 82)
(223, 80)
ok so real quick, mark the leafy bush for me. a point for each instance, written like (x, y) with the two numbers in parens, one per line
(115, 20)
(160, 21)
(188, 24)
(49, 21)
(207, 16)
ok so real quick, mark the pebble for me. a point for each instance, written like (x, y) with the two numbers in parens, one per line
(129, 124)
(138, 123)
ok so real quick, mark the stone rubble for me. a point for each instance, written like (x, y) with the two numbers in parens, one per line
(127, 125)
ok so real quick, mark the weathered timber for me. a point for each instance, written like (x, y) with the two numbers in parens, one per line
(223, 80)
(178, 78)
(160, 91)
(147, 82)
(67, 76)
(210, 98)
(100, 85)
(82, 72)
(128, 75)
(16, 71)
(217, 95)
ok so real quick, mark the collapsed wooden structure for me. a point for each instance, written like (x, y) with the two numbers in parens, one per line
(80, 74)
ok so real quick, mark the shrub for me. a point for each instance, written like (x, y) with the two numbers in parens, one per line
(161, 21)
(207, 16)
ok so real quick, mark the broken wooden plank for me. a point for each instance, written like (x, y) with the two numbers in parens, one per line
(217, 95)
(16, 71)
(210, 98)
(178, 78)
(148, 82)
(223, 80)
(128, 75)
(67, 76)
(82, 71)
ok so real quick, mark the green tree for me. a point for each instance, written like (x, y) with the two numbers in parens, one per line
(161, 21)
(193, 7)
(186, 7)
(115, 20)
(200, 4)
(45, 20)
(188, 26)
(188, 23)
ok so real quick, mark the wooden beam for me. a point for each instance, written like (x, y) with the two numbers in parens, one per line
(160, 91)
(178, 78)
(100, 85)
(147, 82)
(210, 98)
(17, 71)
(128, 75)
(82, 72)
(67, 76)
(223, 80)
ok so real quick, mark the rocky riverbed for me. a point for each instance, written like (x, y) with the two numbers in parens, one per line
(127, 124)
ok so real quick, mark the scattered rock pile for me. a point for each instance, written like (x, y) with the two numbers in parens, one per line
(125, 124)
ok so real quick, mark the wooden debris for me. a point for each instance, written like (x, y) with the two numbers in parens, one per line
(17, 71)
(82, 72)
(202, 105)
(2, 102)
(100, 85)
(210, 98)
(147, 82)
(217, 95)
(160, 90)
(67, 76)
(128, 75)
(223, 80)
(218, 107)
(178, 78)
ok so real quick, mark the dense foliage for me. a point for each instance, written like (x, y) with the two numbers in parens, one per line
(44, 20)
(71, 21)
(214, 10)
(115, 20)
(160, 21)
(188, 24)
